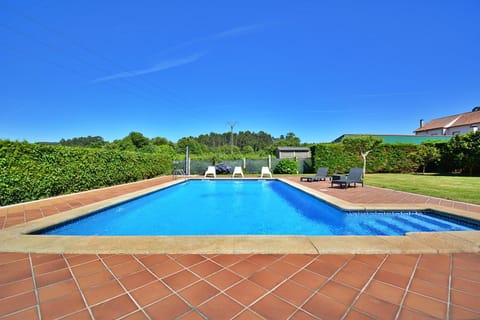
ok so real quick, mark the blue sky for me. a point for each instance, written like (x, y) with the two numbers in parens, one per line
(179, 68)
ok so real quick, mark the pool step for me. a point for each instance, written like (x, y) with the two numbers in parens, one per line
(373, 228)
(441, 224)
(417, 225)
(396, 229)
(395, 226)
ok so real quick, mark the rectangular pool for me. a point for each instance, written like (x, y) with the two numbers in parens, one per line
(248, 207)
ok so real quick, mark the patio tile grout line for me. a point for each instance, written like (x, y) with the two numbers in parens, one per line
(265, 294)
(87, 306)
(173, 291)
(447, 316)
(121, 285)
(243, 278)
(316, 291)
(223, 291)
(418, 258)
(270, 292)
(35, 288)
(412, 275)
(362, 290)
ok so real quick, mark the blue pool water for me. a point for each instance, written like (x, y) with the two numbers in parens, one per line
(246, 207)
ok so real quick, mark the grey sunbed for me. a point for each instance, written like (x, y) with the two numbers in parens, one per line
(354, 176)
(321, 175)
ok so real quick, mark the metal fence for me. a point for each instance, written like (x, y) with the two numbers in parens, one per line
(249, 166)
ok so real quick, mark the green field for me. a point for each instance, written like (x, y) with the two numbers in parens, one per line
(459, 188)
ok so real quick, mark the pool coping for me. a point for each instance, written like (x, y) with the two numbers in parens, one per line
(17, 239)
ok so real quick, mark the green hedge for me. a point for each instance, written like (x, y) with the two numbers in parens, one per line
(34, 171)
(386, 158)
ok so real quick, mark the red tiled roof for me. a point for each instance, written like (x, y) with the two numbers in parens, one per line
(462, 119)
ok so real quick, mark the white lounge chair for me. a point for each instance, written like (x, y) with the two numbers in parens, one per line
(211, 171)
(237, 170)
(265, 171)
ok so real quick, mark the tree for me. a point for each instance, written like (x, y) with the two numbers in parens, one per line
(193, 146)
(92, 142)
(425, 155)
(135, 141)
(138, 139)
(290, 140)
(362, 145)
(247, 149)
(465, 149)
(158, 141)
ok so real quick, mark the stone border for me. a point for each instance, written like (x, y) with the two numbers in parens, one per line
(18, 239)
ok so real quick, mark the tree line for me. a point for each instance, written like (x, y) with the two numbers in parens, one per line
(461, 154)
(244, 143)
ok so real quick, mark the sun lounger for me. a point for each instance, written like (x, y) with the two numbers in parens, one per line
(211, 171)
(321, 175)
(265, 171)
(237, 170)
(354, 176)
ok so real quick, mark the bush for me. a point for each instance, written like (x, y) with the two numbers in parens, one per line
(286, 166)
(34, 171)
(385, 158)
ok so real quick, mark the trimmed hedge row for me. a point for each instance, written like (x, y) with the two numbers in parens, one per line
(386, 158)
(34, 171)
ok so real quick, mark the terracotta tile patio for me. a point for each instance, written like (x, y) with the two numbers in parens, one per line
(229, 286)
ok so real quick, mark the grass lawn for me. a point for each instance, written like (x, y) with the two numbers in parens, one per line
(465, 189)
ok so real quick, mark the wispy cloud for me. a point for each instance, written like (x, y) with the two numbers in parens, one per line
(173, 63)
(236, 31)
(164, 65)
(229, 33)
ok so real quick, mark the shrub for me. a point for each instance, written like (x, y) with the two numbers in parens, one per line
(286, 166)
(34, 171)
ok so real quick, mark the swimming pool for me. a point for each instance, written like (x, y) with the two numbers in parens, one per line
(246, 207)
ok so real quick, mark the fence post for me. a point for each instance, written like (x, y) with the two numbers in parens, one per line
(244, 163)
(187, 162)
(269, 161)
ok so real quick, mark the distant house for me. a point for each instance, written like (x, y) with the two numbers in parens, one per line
(397, 138)
(451, 125)
(293, 152)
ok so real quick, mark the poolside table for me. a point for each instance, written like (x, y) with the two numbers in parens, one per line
(338, 176)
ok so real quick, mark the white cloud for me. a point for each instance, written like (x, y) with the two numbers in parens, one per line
(169, 64)
(164, 65)
(235, 31)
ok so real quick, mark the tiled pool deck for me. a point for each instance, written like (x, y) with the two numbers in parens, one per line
(102, 285)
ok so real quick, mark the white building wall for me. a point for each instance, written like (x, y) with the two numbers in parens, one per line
(459, 130)
(449, 131)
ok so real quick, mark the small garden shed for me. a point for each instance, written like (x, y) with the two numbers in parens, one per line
(293, 152)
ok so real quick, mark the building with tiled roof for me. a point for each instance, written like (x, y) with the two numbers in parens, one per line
(451, 125)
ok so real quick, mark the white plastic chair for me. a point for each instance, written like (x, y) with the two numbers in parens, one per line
(237, 170)
(211, 171)
(265, 171)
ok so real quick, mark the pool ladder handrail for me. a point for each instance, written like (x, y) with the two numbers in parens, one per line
(178, 172)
